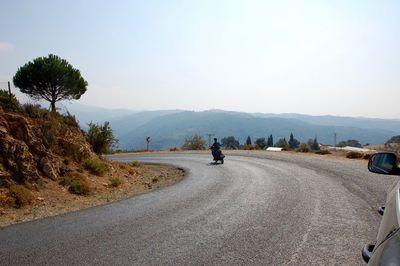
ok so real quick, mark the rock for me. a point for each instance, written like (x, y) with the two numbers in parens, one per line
(48, 168)
(17, 158)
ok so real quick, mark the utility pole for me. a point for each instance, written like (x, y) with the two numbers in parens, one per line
(9, 91)
(209, 138)
(334, 139)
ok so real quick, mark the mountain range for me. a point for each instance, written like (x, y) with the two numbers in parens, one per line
(169, 128)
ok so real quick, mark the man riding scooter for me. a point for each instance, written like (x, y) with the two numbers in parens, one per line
(216, 152)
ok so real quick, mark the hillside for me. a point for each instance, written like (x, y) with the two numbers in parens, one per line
(169, 128)
(47, 166)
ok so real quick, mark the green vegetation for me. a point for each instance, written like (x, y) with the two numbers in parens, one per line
(350, 142)
(7, 102)
(20, 195)
(315, 145)
(101, 137)
(261, 143)
(323, 152)
(79, 187)
(394, 139)
(135, 164)
(270, 141)
(76, 183)
(282, 143)
(303, 147)
(95, 166)
(293, 143)
(34, 110)
(195, 142)
(115, 181)
(50, 78)
(230, 143)
(248, 141)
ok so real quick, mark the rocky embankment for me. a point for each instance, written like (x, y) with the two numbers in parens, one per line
(47, 167)
(35, 148)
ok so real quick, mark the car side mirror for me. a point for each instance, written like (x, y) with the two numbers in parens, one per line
(384, 163)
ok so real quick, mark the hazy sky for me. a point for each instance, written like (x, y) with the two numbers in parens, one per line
(313, 57)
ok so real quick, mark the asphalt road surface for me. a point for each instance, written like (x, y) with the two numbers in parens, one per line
(271, 209)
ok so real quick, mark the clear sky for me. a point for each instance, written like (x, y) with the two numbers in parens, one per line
(312, 57)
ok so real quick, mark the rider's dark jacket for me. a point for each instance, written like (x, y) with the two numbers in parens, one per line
(216, 146)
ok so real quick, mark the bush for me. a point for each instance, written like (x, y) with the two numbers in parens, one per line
(34, 110)
(65, 181)
(79, 187)
(50, 130)
(322, 152)
(101, 137)
(115, 181)
(5, 102)
(95, 166)
(20, 195)
(70, 120)
(77, 184)
(174, 149)
(135, 164)
(303, 148)
(354, 155)
(248, 147)
(195, 142)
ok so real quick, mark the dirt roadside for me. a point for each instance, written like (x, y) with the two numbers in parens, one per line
(51, 199)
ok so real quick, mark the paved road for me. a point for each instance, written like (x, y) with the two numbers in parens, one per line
(264, 210)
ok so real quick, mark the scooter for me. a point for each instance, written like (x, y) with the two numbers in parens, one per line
(218, 156)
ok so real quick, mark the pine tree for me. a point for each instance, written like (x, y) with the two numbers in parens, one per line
(248, 140)
(315, 145)
(270, 142)
(293, 143)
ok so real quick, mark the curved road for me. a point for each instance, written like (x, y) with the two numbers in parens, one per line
(271, 209)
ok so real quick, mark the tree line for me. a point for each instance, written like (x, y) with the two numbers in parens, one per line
(197, 142)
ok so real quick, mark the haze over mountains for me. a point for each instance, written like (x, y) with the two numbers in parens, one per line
(169, 128)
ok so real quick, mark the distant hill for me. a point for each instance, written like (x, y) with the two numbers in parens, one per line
(169, 128)
(329, 120)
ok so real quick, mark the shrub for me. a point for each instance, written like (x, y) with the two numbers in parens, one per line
(101, 137)
(5, 102)
(354, 155)
(77, 184)
(282, 143)
(322, 152)
(174, 149)
(50, 129)
(20, 195)
(135, 164)
(248, 147)
(80, 187)
(350, 142)
(34, 110)
(95, 166)
(196, 142)
(65, 181)
(115, 181)
(303, 148)
(70, 120)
